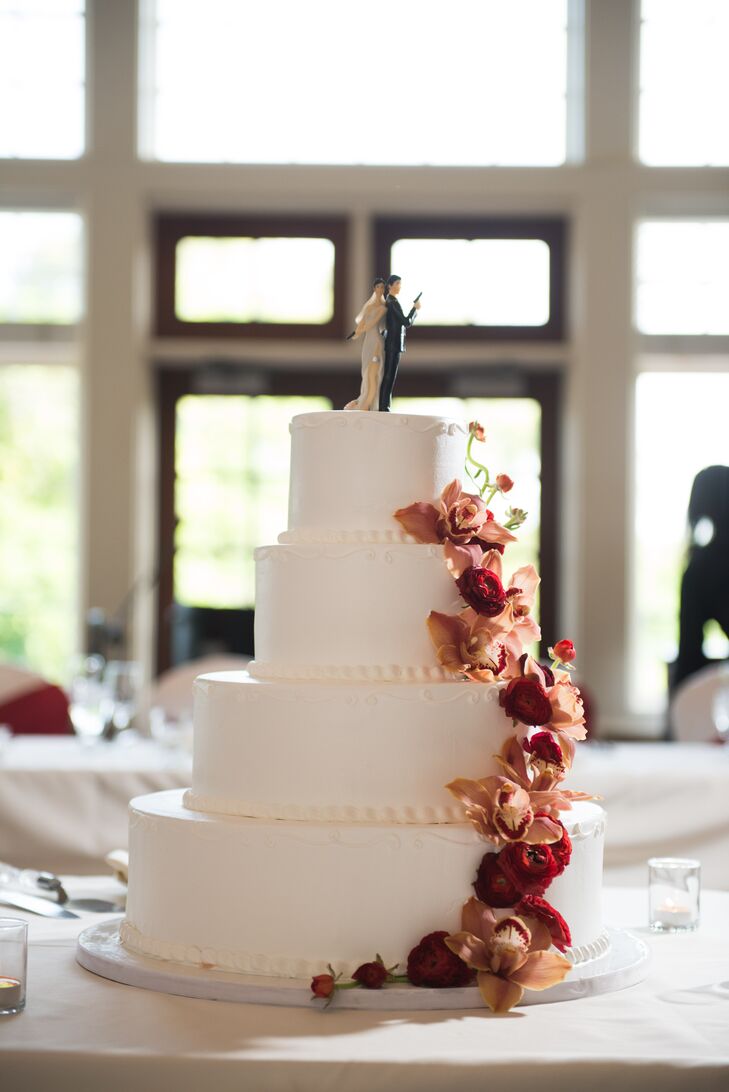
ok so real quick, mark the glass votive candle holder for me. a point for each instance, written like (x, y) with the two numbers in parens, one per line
(674, 887)
(13, 965)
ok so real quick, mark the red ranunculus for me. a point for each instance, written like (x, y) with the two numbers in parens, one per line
(564, 651)
(431, 963)
(526, 700)
(531, 869)
(562, 850)
(504, 482)
(322, 985)
(479, 432)
(371, 975)
(543, 747)
(491, 885)
(482, 590)
(539, 908)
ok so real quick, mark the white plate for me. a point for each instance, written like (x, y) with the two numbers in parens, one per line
(99, 950)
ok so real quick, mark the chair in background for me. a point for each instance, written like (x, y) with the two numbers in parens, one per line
(30, 705)
(692, 707)
(172, 690)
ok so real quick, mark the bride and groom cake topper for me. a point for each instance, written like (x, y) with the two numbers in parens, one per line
(381, 324)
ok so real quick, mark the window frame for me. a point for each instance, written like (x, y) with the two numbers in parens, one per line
(545, 385)
(170, 228)
(550, 229)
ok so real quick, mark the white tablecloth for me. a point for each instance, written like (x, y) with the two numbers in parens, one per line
(669, 1033)
(662, 799)
(63, 806)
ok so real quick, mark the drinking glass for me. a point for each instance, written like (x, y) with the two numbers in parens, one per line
(674, 885)
(13, 965)
(86, 694)
(720, 709)
(122, 684)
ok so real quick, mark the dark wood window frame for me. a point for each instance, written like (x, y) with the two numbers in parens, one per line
(170, 228)
(551, 229)
(543, 384)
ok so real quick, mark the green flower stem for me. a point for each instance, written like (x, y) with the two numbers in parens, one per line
(480, 468)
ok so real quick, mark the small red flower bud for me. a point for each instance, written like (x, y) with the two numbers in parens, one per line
(371, 975)
(564, 651)
(504, 482)
(322, 985)
(478, 431)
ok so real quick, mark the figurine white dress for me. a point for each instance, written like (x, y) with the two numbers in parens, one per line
(369, 327)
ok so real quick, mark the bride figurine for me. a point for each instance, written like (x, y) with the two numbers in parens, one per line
(370, 323)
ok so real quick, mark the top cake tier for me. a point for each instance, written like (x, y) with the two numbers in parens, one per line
(351, 470)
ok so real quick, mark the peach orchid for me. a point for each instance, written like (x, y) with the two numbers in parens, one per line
(463, 523)
(465, 645)
(503, 810)
(508, 952)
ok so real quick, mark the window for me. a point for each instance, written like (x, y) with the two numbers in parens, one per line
(482, 82)
(680, 428)
(477, 282)
(495, 279)
(38, 516)
(683, 277)
(240, 276)
(684, 82)
(42, 73)
(232, 473)
(40, 267)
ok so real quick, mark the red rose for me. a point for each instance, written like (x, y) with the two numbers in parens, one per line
(322, 985)
(543, 747)
(526, 700)
(531, 869)
(564, 651)
(491, 885)
(371, 975)
(431, 963)
(504, 482)
(536, 907)
(482, 590)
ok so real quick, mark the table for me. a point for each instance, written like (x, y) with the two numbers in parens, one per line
(662, 799)
(63, 805)
(670, 1032)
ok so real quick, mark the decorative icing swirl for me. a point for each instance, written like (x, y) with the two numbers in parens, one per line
(261, 669)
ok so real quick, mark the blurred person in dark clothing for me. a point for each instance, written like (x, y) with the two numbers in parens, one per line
(705, 582)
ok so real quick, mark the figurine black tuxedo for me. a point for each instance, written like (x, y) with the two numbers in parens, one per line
(396, 323)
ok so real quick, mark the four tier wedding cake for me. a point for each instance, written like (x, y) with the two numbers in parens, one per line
(330, 814)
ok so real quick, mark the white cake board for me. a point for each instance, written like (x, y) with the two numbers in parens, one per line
(100, 951)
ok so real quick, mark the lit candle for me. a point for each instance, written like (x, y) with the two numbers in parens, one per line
(671, 914)
(11, 993)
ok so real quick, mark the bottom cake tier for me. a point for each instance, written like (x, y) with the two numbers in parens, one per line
(285, 898)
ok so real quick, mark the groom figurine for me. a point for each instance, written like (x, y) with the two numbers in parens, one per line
(396, 323)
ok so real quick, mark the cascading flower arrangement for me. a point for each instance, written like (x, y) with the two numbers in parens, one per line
(508, 928)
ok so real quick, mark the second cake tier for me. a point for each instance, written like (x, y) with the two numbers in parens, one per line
(341, 751)
(349, 612)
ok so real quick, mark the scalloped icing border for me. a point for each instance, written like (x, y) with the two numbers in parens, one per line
(277, 966)
(316, 535)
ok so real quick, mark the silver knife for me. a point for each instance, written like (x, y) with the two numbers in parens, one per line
(35, 904)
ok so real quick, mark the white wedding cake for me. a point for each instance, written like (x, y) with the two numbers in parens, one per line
(318, 828)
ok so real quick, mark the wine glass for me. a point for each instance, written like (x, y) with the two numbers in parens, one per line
(86, 697)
